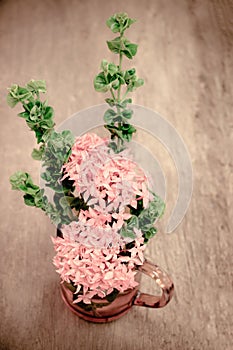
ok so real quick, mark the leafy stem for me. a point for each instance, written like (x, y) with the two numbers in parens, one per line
(54, 150)
(113, 77)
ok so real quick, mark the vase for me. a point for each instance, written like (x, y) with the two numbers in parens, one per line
(101, 310)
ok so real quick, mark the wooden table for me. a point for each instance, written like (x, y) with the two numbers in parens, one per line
(185, 57)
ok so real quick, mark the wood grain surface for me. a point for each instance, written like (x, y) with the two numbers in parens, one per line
(185, 56)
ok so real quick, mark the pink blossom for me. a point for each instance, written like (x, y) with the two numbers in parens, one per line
(106, 180)
(109, 183)
(97, 271)
(90, 253)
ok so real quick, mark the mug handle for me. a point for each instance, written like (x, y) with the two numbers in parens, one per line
(164, 282)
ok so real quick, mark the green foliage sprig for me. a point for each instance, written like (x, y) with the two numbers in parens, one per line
(112, 78)
(37, 114)
(54, 150)
(34, 196)
(144, 218)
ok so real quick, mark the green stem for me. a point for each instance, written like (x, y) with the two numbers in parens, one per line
(112, 93)
(119, 90)
(120, 64)
(119, 141)
(125, 94)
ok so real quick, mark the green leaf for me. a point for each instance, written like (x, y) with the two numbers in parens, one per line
(128, 228)
(19, 178)
(48, 113)
(113, 146)
(29, 200)
(25, 115)
(28, 189)
(127, 128)
(127, 233)
(46, 176)
(39, 135)
(129, 74)
(122, 45)
(17, 94)
(132, 222)
(115, 131)
(131, 129)
(130, 49)
(131, 21)
(46, 136)
(127, 113)
(154, 211)
(158, 205)
(38, 153)
(109, 68)
(12, 101)
(100, 83)
(112, 69)
(124, 21)
(36, 86)
(113, 25)
(33, 194)
(68, 137)
(123, 104)
(120, 78)
(109, 116)
(134, 84)
(115, 84)
(39, 199)
(110, 101)
(150, 233)
(115, 45)
(64, 202)
(104, 65)
(139, 82)
(35, 113)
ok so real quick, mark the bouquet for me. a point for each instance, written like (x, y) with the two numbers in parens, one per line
(102, 202)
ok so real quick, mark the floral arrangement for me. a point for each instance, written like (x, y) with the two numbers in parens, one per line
(102, 203)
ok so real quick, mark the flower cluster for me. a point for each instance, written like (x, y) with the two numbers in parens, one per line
(97, 272)
(92, 254)
(108, 182)
(93, 229)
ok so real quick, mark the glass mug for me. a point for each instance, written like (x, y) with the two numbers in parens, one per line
(108, 311)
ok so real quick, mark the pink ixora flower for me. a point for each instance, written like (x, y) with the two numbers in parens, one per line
(105, 179)
(108, 183)
(99, 237)
(80, 151)
(97, 271)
